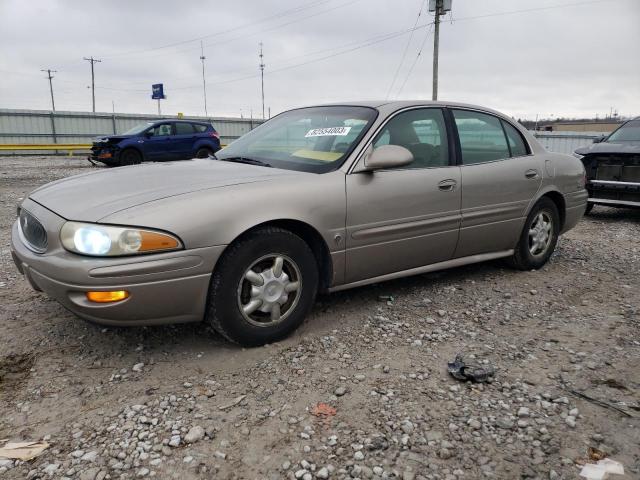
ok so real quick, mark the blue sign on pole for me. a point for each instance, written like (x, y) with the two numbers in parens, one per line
(157, 91)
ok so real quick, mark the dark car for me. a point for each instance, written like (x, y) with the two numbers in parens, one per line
(613, 167)
(157, 142)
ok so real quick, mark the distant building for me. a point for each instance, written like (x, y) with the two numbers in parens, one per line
(581, 126)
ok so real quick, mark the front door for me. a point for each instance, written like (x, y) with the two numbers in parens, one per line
(157, 143)
(500, 177)
(406, 217)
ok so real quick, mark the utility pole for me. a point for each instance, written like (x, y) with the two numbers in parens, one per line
(439, 7)
(49, 72)
(204, 82)
(93, 86)
(262, 77)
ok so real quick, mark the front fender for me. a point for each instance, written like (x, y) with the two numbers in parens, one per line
(219, 215)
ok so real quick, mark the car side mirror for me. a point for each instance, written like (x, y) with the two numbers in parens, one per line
(599, 139)
(387, 156)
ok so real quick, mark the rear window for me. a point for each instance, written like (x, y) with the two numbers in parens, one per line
(516, 143)
(481, 137)
(200, 128)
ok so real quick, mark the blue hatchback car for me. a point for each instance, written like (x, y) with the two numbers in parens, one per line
(157, 142)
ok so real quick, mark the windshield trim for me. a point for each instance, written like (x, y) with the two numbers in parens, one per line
(330, 167)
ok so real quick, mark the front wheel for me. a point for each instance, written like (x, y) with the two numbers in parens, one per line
(263, 287)
(130, 157)
(539, 236)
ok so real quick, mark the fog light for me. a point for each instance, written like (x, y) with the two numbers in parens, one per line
(107, 297)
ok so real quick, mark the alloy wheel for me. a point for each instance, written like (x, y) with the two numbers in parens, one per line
(269, 290)
(540, 234)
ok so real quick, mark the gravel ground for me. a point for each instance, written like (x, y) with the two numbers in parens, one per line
(179, 402)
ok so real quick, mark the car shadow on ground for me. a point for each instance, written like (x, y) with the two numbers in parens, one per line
(606, 214)
(330, 312)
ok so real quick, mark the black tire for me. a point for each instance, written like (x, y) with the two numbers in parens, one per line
(228, 289)
(523, 258)
(589, 208)
(204, 152)
(130, 157)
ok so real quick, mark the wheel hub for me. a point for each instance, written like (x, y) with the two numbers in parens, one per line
(269, 290)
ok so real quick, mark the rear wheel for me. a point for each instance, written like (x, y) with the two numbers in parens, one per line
(539, 236)
(130, 157)
(204, 152)
(263, 287)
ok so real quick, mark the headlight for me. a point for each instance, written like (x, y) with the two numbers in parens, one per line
(109, 241)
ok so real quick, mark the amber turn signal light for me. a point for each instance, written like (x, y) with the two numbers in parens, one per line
(107, 297)
(151, 241)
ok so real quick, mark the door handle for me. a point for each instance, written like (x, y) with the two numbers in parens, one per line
(447, 185)
(531, 173)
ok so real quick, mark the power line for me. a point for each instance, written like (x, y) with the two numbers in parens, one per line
(527, 10)
(404, 52)
(50, 77)
(258, 32)
(283, 13)
(426, 36)
(93, 85)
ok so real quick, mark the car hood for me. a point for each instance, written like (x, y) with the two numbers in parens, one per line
(111, 138)
(93, 196)
(609, 148)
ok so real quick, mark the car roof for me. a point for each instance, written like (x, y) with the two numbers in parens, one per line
(390, 106)
(182, 120)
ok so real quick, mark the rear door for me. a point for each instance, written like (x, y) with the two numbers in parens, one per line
(183, 141)
(406, 217)
(157, 143)
(500, 177)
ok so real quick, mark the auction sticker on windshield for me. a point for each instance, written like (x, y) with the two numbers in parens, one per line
(328, 132)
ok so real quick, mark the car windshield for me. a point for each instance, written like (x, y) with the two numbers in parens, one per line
(629, 132)
(138, 128)
(315, 139)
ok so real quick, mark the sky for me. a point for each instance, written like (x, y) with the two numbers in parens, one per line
(546, 58)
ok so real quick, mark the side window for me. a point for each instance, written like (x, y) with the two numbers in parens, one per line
(184, 128)
(481, 137)
(199, 128)
(161, 130)
(516, 142)
(423, 132)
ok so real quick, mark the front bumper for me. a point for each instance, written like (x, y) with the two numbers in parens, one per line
(105, 154)
(614, 193)
(163, 288)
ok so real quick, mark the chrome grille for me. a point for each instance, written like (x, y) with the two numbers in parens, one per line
(33, 233)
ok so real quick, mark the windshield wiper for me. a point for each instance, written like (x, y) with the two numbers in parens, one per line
(249, 161)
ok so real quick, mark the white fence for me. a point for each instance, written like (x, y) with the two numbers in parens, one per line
(45, 127)
(566, 142)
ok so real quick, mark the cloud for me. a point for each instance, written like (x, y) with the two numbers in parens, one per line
(567, 61)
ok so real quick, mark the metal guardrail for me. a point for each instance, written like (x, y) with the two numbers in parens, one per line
(71, 147)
